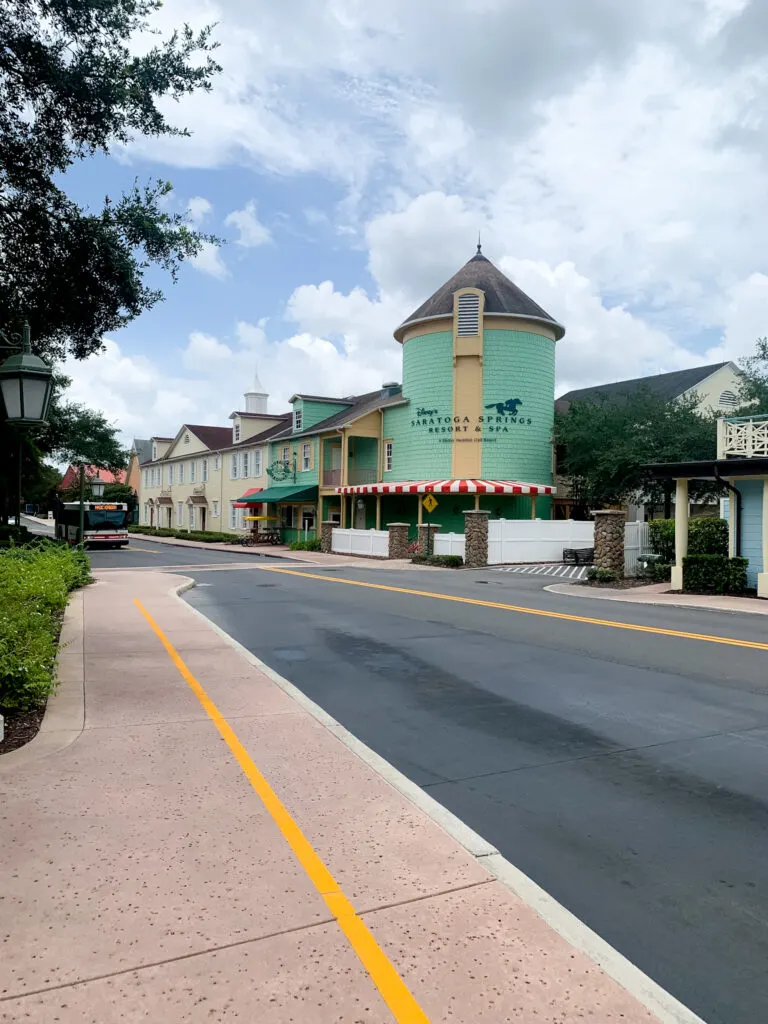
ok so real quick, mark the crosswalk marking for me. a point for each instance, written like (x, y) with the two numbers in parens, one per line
(571, 572)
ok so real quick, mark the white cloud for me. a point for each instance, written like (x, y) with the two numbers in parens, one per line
(199, 209)
(251, 231)
(744, 318)
(209, 261)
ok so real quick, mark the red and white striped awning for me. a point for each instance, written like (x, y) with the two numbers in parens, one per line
(449, 487)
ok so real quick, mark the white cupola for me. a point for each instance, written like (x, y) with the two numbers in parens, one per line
(256, 399)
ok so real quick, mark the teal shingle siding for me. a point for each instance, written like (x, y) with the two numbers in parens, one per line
(518, 364)
(427, 383)
(314, 412)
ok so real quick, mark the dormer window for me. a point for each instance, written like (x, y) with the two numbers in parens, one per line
(298, 418)
(468, 315)
(236, 433)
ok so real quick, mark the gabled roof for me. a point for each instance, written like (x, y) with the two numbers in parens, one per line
(502, 297)
(212, 437)
(666, 386)
(321, 398)
(358, 405)
(72, 476)
(143, 449)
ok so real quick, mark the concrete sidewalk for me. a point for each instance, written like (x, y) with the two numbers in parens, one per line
(660, 594)
(150, 873)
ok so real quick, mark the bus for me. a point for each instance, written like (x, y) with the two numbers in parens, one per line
(104, 523)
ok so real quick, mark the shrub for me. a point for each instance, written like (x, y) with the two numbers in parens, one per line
(206, 536)
(35, 583)
(705, 537)
(714, 574)
(708, 537)
(10, 535)
(445, 561)
(655, 570)
(597, 575)
(305, 545)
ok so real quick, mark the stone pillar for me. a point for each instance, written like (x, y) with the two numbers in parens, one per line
(326, 536)
(425, 528)
(398, 539)
(476, 538)
(609, 540)
(681, 532)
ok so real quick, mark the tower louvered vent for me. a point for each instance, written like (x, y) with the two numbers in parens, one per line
(469, 315)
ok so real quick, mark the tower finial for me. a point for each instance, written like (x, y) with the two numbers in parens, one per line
(479, 245)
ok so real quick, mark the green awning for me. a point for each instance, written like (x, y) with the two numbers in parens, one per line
(297, 492)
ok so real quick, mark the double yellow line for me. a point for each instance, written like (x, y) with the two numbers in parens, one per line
(393, 989)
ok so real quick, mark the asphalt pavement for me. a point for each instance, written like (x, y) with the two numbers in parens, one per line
(624, 770)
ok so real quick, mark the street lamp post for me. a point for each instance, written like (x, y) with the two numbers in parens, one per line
(26, 384)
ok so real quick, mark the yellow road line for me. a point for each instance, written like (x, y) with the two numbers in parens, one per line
(132, 547)
(523, 610)
(393, 989)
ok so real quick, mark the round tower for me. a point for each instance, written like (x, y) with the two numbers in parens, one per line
(479, 374)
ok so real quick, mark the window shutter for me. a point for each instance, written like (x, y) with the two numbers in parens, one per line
(468, 315)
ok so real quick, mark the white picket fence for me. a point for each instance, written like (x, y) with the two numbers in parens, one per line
(360, 542)
(450, 544)
(637, 540)
(535, 540)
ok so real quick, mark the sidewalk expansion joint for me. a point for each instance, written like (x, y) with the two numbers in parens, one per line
(6, 998)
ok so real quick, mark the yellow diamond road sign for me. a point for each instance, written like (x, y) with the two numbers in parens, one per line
(430, 503)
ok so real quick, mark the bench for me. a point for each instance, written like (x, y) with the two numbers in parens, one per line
(579, 556)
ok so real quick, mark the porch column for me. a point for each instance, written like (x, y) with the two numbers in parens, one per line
(343, 511)
(476, 538)
(326, 536)
(681, 532)
(420, 513)
(477, 501)
(533, 506)
(378, 511)
(762, 577)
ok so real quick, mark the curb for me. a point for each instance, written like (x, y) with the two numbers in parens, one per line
(566, 590)
(647, 992)
(64, 718)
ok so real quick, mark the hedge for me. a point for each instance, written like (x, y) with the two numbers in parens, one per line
(206, 536)
(35, 583)
(714, 574)
(445, 561)
(705, 537)
(306, 545)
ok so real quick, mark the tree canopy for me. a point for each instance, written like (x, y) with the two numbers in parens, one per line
(754, 381)
(72, 84)
(603, 444)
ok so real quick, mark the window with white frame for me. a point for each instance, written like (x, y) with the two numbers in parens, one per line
(215, 510)
(154, 451)
(258, 462)
(298, 417)
(288, 516)
(143, 478)
(191, 515)
(181, 472)
(387, 456)
(204, 474)
(156, 475)
(233, 467)
(236, 433)
(145, 520)
(306, 457)
(179, 513)
(286, 456)
(170, 475)
(216, 463)
(232, 516)
(246, 465)
(192, 471)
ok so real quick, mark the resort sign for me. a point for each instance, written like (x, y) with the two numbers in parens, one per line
(506, 418)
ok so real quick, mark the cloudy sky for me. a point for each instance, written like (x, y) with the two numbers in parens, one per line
(613, 156)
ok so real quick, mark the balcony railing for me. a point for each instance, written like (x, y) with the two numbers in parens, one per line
(331, 478)
(744, 437)
(362, 476)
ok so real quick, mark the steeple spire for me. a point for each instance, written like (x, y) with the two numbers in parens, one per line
(479, 245)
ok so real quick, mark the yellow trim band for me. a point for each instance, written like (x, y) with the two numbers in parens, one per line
(523, 610)
(393, 989)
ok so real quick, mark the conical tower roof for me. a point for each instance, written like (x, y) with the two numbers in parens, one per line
(502, 297)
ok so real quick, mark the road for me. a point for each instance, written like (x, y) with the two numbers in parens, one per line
(624, 770)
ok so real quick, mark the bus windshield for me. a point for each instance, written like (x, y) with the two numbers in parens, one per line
(98, 519)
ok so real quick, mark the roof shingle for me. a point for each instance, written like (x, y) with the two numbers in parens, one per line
(666, 386)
